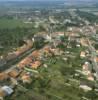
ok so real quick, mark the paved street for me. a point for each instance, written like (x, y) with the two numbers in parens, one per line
(93, 56)
(11, 64)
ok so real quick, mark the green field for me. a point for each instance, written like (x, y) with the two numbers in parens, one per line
(12, 23)
(12, 31)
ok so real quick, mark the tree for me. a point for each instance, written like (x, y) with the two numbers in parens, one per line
(91, 95)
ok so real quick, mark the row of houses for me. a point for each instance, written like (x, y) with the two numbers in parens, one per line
(87, 72)
(26, 68)
(12, 55)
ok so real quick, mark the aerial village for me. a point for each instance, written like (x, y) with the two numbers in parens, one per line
(61, 46)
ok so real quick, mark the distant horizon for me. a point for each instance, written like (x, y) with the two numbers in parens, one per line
(50, 0)
(65, 1)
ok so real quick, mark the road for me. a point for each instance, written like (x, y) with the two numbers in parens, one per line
(93, 56)
(12, 63)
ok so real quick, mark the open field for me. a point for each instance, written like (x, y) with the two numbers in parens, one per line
(12, 23)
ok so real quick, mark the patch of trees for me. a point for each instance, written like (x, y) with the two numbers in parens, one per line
(10, 38)
(62, 15)
(88, 16)
(39, 42)
(96, 46)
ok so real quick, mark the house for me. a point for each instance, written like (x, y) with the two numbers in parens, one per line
(73, 35)
(85, 68)
(84, 42)
(83, 54)
(5, 91)
(45, 65)
(25, 62)
(46, 48)
(89, 30)
(35, 64)
(35, 54)
(87, 71)
(90, 77)
(59, 34)
(3, 76)
(14, 73)
(2, 94)
(96, 59)
(78, 45)
(56, 51)
(85, 87)
(96, 51)
(46, 51)
(26, 78)
(14, 82)
(74, 29)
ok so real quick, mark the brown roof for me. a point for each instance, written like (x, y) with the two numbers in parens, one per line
(36, 64)
(26, 78)
(35, 54)
(25, 62)
(3, 76)
(47, 48)
(96, 59)
(84, 42)
(83, 53)
(2, 93)
(14, 73)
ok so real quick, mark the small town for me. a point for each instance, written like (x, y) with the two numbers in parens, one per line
(59, 61)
